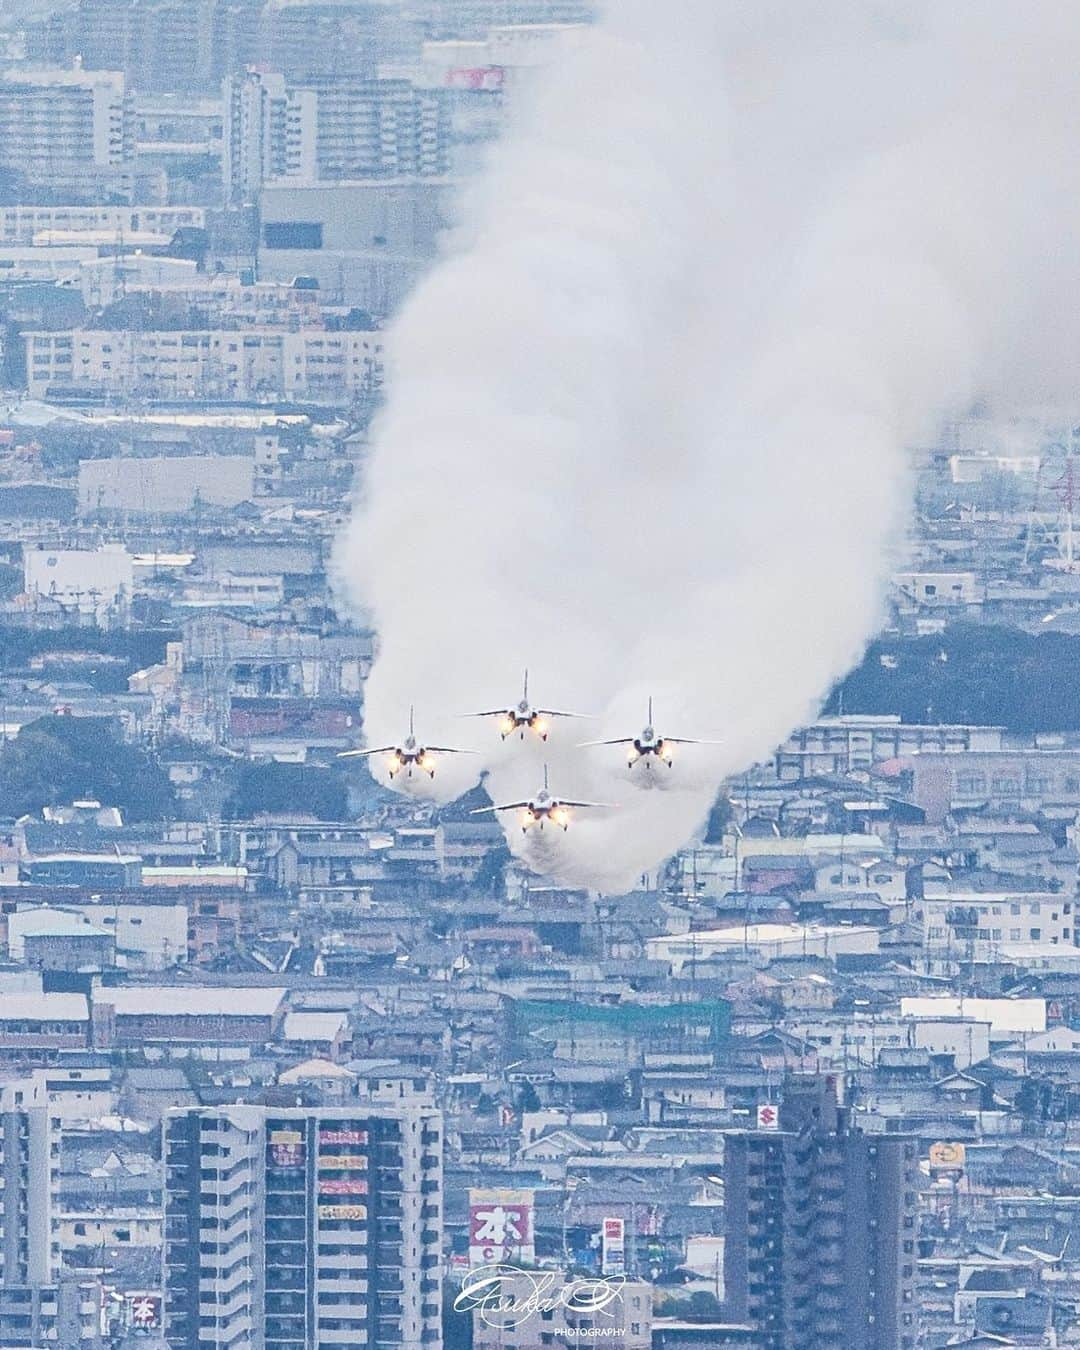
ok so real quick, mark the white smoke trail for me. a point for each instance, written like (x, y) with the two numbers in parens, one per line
(646, 422)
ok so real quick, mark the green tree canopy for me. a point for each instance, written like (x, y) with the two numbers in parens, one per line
(295, 789)
(60, 759)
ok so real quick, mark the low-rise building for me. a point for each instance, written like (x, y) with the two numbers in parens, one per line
(220, 365)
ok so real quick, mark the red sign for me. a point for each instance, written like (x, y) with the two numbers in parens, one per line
(768, 1118)
(344, 1186)
(487, 78)
(343, 1136)
(500, 1226)
(145, 1311)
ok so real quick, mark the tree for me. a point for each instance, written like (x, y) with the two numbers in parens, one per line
(719, 819)
(288, 789)
(60, 759)
(971, 674)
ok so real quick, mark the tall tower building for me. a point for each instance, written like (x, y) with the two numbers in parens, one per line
(270, 133)
(303, 1229)
(29, 1172)
(820, 1248)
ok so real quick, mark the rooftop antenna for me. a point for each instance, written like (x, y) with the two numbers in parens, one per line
(1065, 488)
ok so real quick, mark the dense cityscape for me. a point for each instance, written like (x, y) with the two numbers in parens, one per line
(293, 1056)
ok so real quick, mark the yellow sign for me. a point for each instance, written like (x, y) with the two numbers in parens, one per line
(342, 1211)
(948, 1157)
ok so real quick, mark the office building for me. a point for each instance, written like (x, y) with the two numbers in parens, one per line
(820, 1248)
(364, 242)
(303, 1229)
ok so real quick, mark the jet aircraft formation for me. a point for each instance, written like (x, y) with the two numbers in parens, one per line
(521, 719)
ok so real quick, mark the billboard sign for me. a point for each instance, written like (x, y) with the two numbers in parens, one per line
(500, 1226)
(145, 1312)
(342, 1186)
(613, 1247)
(947, 1157)
(342, 1211)
(343, 1136)
(487, 79)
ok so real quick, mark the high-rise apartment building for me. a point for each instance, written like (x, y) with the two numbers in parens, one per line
(190, 46)
(68, 132)
(330, 130)
(270, 133)
(162, 46)
(29, 1172)
(303, 1229)
(820, 1248)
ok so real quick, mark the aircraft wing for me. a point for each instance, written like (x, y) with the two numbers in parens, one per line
(375, 750)
(487, 712)
(565, 801)
(690, 740)
(503, 806)
(559, 712)
(449, 750)
(619, 740)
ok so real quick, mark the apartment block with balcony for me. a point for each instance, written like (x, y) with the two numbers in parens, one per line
(215, 365)
(303, 1229)
(820, 1248)
(68, 132)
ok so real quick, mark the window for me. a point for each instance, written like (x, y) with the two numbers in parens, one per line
(293, 234)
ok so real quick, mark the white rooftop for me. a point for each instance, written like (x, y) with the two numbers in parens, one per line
(1003, 1014)
(44, 1008)
(169, 1000)
(313, 1026)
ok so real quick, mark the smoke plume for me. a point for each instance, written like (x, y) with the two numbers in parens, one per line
(646, 423)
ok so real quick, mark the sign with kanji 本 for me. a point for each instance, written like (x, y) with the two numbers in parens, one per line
(144, 1311)
(500, 1226)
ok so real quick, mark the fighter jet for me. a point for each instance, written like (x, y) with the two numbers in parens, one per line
(649, 745)
(544, 806)
(523, 717)
(409, 754)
